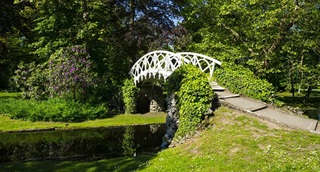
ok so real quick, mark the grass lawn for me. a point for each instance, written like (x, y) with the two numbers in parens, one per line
(124, 164)
(233, 142)
(7, 124)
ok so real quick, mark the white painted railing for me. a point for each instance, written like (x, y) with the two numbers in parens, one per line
(161, 64)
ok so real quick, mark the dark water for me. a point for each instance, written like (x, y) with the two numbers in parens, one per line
(107, 142)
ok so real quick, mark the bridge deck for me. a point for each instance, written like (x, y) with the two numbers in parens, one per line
(264, 111)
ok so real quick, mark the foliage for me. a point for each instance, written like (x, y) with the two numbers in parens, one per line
(243, 81)
(114, 33)
(70, 73)
(276, 40)
(14, 38)
(129, 93)
(194, 96)
(31, 79)
(51, 110)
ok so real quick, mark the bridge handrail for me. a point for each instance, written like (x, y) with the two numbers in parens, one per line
(162, 63)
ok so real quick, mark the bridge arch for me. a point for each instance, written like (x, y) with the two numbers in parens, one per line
(161, 64)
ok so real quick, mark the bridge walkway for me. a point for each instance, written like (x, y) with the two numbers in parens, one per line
(265, 111)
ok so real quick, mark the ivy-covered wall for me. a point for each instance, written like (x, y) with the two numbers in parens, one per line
(193, 94)
(129, 94)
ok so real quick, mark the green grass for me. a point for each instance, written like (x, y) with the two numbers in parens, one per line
(237, 142)
(7, 124)
(123, 164)
(233, 142)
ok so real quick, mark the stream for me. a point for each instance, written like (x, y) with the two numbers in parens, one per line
(106, 142)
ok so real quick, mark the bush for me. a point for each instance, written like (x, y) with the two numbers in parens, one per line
(31, 80)
(70, 73)
(52, 110)
(241, 80)
(194, 96)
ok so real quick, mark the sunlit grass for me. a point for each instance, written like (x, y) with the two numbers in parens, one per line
(7, 124)
(237, 142)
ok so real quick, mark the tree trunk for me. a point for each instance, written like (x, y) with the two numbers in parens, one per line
(292, 88)
(132, 13)
(307, 96)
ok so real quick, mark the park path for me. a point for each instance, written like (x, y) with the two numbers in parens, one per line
(265, 111)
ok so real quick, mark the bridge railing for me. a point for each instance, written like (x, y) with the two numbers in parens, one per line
(161, 64)
(203, 62)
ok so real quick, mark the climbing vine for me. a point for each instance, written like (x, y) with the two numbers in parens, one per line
(129, 93)
(194, 96)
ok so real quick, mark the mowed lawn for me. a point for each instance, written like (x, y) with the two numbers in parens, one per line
(7, 124)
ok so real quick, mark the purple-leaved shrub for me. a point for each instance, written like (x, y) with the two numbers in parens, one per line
(70, 73)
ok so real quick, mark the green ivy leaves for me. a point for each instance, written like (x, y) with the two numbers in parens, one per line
(242, 81)
(194, 96)
(129, 93)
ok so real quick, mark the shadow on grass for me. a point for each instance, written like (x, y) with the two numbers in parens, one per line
(121, 164)
(300, 101)
(310, 107)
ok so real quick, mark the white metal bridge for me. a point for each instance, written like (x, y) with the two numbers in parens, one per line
(161, 64)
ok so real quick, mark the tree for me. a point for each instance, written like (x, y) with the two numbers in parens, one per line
(278, 40)
(14, 34)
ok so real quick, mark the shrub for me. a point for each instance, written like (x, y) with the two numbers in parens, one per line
(31, 80)
(129, 93)
(70, 73)
(194, 96)
(241, 80)
(51, 110)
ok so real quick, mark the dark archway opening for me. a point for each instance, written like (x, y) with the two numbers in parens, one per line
(143, 103)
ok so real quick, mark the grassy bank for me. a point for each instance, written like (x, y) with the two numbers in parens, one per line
(233, 142)
(237, 142)
(7, 124)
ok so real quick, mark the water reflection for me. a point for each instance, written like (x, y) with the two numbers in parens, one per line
(89, 142)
